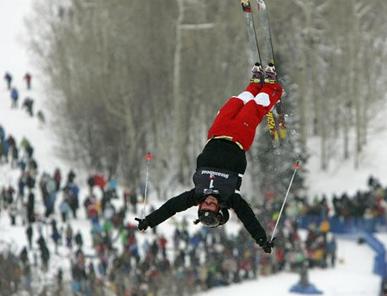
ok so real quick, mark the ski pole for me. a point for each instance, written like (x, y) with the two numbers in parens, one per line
(148, 158)
(296, 167)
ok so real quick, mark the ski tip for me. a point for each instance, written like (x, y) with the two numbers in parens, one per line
(261, 5)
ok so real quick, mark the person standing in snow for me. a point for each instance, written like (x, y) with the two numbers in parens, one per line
(58, 178)
(29, 234)
(133, 199)
(69, 236)
(41, 117)
(27, 77)
(64, 209)
(2, 140)
(78, 240)
(44, 252)
(31, 208)
(2, 134)
(12, 213)
(222, 163)
(8, 79)
(55, 234)
(28, 104)
(14, 97)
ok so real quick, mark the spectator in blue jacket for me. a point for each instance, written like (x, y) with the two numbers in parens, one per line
(14, 97)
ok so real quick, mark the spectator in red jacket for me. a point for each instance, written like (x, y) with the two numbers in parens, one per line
(27, 77)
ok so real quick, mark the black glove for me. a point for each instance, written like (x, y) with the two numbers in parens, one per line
(265, 244)
(142, 224)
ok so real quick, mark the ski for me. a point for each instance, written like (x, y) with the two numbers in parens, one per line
(264, 39)
(255, 56)
(263, 33)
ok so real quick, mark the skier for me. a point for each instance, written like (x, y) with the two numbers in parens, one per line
(221, 164)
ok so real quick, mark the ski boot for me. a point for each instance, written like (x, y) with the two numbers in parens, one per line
(258, 73)
(270, 73)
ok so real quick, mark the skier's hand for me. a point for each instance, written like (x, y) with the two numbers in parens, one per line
(265, 244)
(142, 224)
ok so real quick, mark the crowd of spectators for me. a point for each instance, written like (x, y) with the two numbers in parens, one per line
(368, 204)
(117, 259)
(179, 265)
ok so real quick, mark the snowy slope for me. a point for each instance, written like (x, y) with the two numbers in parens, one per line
(13, 54)
(353, 275)
(14, 58)
(341, 176)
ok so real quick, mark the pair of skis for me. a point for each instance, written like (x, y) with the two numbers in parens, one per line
(261, 50)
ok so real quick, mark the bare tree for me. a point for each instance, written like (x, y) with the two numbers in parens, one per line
(129, 77)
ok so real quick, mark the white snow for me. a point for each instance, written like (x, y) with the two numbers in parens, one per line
(341, 175)
(13, 51)
(353, 274)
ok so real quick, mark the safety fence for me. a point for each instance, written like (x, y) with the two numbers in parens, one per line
(362, 228)
(342, 225)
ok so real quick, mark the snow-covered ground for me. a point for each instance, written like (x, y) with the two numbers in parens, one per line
(13, 52)
(353, 274)
(341, 176)
(352, 277)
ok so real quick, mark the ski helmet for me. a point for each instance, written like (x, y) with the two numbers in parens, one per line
(209, 218)
(212, 219)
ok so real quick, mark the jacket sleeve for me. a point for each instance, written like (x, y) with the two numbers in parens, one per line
(247, 217)
(176, 204)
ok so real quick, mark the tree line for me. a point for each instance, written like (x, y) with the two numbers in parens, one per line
(128, 77)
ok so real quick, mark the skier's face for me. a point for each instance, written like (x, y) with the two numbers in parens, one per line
(210, 203)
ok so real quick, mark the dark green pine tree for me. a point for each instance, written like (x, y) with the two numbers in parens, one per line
(272, 167)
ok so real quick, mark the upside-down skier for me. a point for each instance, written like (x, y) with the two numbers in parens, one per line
(222, 163)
